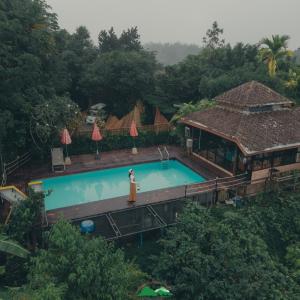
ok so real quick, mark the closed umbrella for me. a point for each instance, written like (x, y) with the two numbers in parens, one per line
(96, 136)
(66, 140)
(134, 133)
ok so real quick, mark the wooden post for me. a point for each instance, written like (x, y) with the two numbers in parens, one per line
(216, 190)
(235, 160)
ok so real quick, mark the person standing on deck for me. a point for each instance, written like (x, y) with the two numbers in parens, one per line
(132, 194)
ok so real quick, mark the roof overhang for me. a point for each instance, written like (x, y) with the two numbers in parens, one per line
(244, 149)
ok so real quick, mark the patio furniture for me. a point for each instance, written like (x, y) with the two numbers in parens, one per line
(58, 163)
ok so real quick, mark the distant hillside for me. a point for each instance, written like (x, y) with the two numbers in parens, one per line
(297, 56)
(170, 54)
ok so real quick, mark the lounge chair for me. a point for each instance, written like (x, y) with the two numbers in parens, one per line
(58, 163)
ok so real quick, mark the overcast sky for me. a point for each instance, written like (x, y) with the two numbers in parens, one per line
(184, 20)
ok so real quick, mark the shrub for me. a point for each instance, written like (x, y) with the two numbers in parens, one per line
(84, 144)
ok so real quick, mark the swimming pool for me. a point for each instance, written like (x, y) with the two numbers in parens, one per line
(92, 186)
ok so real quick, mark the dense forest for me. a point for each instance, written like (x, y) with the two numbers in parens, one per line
(45, 66)
(250, 252)
(49, 75)
(171, 54)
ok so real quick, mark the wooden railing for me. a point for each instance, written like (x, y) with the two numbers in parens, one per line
(11, 167)
(216, 184)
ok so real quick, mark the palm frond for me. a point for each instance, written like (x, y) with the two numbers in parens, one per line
(11, 247)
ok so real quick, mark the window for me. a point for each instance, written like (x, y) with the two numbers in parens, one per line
(262, 161)
(275, 159)
(187, 132)
(263, 108)
(218, 150)
(284, 157)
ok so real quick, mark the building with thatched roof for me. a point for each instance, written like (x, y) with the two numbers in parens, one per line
(252, 128)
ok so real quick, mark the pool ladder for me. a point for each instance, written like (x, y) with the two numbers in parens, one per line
(164, 157)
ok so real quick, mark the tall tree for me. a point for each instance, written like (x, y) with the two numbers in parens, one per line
(213, 39)
(82, 267)
(119, 79)
(129, 40)
(218, 254)
(273, 50)
(27, 47)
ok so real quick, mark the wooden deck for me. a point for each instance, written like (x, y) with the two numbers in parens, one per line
(83, 163)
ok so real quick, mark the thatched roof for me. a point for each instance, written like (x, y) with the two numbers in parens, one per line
(111, 122)
(125, 122)
(159, 118)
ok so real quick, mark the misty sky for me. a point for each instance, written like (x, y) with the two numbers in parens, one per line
(184, 20)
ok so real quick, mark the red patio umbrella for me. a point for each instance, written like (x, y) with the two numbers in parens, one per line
(96, 136)
(66, 139)
(133, 131)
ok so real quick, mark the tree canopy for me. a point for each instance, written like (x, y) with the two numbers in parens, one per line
(82, 268)
(41, 63)
(234, 254)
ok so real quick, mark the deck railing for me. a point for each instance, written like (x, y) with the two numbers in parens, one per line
(142, 218)
(11, 167)
(216, 184)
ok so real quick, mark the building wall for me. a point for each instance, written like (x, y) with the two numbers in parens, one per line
(263, 174)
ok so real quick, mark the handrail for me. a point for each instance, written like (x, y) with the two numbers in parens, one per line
(216, 184)
(9, 168)
(168, 155)
(12, 187)
(161, 155)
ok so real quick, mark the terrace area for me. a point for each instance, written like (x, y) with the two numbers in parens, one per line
(112, 159)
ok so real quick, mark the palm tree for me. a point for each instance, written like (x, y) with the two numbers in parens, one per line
(276, 49)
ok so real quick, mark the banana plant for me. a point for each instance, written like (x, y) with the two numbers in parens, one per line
(11, 247)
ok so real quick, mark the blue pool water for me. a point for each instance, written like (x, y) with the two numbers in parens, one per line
(86, 187)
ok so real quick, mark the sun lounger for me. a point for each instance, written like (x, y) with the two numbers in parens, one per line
(58, 163)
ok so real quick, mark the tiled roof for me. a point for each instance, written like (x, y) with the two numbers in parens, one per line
(256, 132)
(252, 94)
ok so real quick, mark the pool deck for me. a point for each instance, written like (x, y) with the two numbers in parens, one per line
(118, 158)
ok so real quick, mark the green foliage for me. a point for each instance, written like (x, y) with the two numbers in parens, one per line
(84, 144)
(25, 222)
(208, 74)
(11, 247)
(48, 121)
(275, 49)
(234, 254)
(119, 79)
(41, 63)
(213, 37)
(293, 260)
(81, 267)
(129, 40)
(27, 45)
(187, 108)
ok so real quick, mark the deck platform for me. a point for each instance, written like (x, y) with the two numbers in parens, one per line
(111, 159)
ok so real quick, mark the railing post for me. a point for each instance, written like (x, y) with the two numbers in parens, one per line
(216, 190)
